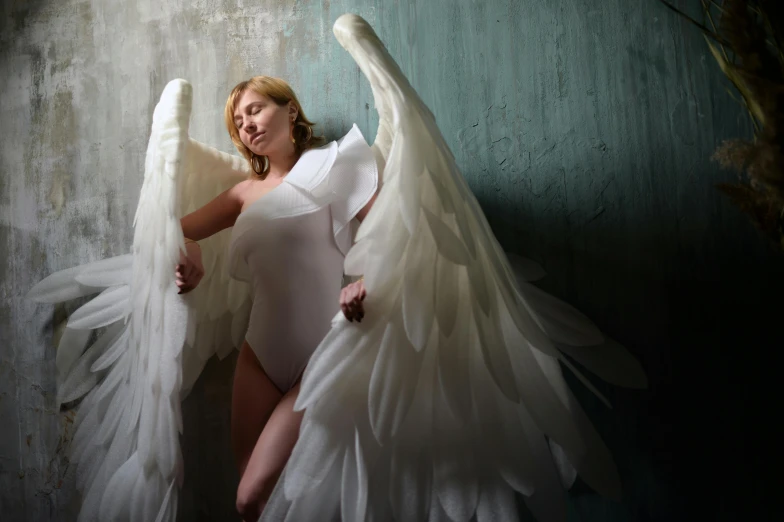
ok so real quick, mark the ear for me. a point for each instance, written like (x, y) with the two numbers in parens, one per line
(293, 112)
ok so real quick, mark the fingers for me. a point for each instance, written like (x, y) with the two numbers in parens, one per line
(357, 302)
(358, 309)
(354, 311)
(351, 298)
(185, 285)
(187, 276)
(344, 302)
(179, 278)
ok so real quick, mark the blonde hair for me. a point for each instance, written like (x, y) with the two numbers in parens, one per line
(280, 92)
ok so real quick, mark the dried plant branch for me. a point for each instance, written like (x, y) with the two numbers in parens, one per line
(700, 26)
(746, 41)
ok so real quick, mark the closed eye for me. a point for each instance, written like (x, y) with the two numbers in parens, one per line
(253, 110)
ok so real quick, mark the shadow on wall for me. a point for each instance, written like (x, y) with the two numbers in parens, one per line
(17, 12)
(702, 313)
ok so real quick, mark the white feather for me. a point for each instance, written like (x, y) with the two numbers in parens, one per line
(496, 502)
(354, 495)
(393, 382)
(448, 294)
(107, 272)
(109, 307)
(418, 305)
(72, 344)
(117, 347)
(449, 245)
(60, 286)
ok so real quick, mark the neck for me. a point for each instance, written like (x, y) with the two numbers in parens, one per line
(281, 163)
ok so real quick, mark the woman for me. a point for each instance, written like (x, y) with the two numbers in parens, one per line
(293, 262)
(445, 403)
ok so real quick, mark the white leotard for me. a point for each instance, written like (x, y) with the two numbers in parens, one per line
(289, 246)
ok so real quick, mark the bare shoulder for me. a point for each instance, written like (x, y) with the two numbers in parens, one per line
(238, 191)
(242, 185)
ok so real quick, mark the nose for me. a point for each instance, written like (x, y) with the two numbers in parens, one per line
(249, 126)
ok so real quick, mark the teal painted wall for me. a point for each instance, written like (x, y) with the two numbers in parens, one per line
(583, 127)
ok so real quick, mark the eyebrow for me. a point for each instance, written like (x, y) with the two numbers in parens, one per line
(248, 106)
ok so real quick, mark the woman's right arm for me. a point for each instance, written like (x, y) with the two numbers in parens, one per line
(218, 214)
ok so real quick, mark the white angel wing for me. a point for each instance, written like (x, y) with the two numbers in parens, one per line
(448, 398)
(220, 304)
(155, 342)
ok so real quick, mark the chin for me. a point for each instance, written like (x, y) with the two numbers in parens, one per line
(258, 150)
(264, 147)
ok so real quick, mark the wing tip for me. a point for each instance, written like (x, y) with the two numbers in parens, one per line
(345, 21)
(348, 26)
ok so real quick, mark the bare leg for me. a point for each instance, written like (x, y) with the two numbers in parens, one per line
(253, 399)
(269, 457)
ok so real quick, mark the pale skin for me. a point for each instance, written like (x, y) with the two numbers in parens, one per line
(264, 425)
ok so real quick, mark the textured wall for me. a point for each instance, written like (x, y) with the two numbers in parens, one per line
(583, 127)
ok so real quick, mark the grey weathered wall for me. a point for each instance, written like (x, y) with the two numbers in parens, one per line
(584, 128)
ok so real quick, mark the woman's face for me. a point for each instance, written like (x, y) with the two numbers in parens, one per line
(264, 126)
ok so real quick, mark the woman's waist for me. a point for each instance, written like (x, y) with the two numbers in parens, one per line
(299, 321)
(281, 298)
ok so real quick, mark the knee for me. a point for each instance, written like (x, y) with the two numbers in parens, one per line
(250, 502)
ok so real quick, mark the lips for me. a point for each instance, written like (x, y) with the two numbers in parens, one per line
(256, 136)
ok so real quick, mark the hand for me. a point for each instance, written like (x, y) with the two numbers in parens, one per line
(351, 298)
(189, 270)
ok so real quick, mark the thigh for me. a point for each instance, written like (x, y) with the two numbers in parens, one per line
(253, 400)
(274, 447)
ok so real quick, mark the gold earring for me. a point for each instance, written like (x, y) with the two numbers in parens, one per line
(291, 134)
(308, 129)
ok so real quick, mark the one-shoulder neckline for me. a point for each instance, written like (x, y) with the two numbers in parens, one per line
(306, 172)
(311, 168)
(253, 203)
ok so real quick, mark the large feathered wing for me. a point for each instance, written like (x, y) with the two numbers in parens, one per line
(448, 397)
(149, 343)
